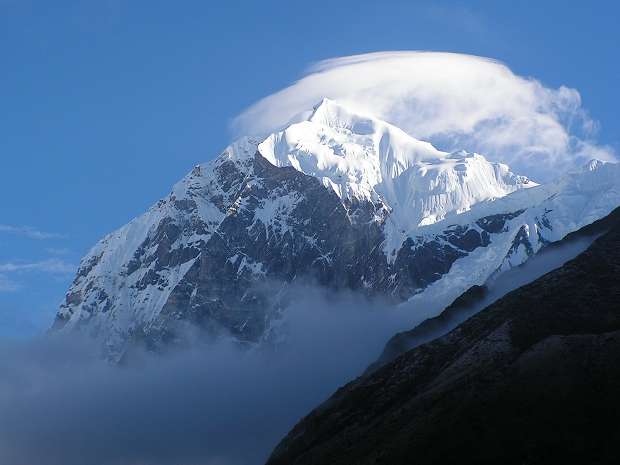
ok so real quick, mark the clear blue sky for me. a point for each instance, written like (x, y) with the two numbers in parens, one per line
(105, 104)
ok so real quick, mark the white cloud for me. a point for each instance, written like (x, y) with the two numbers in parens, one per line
(53, 266)
(453, 100)
(29, 232)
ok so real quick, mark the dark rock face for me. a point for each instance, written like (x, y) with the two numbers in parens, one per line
(240, 275)
(232, 283)
(495, 223)
(534, 378)
(422, 261)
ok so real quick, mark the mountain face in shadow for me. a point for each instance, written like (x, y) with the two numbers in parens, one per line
(532, 379)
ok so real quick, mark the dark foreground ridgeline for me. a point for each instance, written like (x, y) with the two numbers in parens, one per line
(532, 379)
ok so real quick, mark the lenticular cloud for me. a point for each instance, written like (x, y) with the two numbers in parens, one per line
(452, 100)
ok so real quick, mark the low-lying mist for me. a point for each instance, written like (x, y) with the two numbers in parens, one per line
(548, 259)
(215, 403)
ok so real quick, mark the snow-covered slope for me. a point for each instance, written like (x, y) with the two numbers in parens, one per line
(126, 278)
(346, 200)
(533, 219)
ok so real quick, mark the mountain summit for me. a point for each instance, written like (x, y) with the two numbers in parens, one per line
(365, 159)
(342, 199)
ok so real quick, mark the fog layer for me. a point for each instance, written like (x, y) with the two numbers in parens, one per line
(213, 404)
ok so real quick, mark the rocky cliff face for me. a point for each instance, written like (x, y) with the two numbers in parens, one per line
(341, 200)
(532, 379)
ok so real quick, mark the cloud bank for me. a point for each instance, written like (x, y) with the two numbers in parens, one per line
(452, 100)
(212, 404)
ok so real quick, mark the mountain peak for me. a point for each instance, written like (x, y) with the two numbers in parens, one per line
(594, 164)
(335, 115)
(363, 158)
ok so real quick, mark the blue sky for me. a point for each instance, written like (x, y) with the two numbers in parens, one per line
(105, 104)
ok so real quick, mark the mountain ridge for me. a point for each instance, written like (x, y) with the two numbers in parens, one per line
(203, 253)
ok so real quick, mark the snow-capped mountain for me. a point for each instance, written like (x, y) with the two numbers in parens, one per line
(342, 199)
(364, 159)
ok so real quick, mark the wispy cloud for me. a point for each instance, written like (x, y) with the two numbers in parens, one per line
(53, 266)
(28, 231)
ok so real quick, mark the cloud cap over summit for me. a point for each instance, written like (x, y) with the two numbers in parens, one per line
(452, 100)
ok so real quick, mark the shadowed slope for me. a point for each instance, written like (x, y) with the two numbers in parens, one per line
(533, 378)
